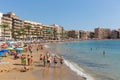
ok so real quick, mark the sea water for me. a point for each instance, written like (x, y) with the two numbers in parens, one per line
(93, 59)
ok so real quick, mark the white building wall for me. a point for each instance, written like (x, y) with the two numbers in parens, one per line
(1, 14)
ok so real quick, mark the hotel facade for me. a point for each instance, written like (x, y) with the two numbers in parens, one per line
(23, 29)
(102, 33)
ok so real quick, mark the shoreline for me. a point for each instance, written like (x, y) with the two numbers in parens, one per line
(74, 68)
(13, 71)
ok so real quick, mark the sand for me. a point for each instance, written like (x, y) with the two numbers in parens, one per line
(12, 70)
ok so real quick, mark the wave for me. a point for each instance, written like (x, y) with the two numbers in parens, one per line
(74, 67)
(46, 46)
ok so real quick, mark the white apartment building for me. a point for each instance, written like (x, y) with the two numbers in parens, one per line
(1, 14)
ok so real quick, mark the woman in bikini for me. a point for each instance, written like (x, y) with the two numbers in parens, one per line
(49, 61)
(44, 61)
(55, 61)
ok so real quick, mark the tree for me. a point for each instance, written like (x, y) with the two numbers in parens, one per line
(4, 26)
(22, 30)
(18, 33)
(37, 31)
(40, 30)
(32, 33)
(54, 33)
(28, 27)
(92, 35)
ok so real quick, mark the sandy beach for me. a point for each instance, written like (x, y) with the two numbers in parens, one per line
(11, 70)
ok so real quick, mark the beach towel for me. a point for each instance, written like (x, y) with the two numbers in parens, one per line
(4, 62)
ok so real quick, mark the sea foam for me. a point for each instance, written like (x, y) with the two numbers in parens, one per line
(74, 67)
(46, 46)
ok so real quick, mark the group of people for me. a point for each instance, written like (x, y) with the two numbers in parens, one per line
(47, 60)
(26, 60)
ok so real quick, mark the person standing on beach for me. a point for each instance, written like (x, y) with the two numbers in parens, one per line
(41, 47)
(44, 61)
(37, 48)
(41, 58)
(31, 60)
(30, 49)
(24, 60)
(61, 60)
(55, 61)
(28, 60)
(49, 60)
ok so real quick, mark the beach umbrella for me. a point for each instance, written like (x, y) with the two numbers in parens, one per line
(3, 44)
(1, 54)
(4, 51)
(19, 49)
(10, 48)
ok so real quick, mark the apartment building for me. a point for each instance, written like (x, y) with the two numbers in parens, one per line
(1, 14)
(115, 34)
(17, 28)
(35, 29)
(58, 31)
(72, 34)
(83, 35)
(14, 24)
(5, 32)
(102, 33)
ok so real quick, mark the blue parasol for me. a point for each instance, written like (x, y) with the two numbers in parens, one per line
(4, 51)
(19, 49)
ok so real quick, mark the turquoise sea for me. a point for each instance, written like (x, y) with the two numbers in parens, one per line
(93, 59)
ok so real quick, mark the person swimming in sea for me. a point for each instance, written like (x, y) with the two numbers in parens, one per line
(104, 53)
(91, 49)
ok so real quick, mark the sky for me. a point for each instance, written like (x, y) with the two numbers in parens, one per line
(71, 14)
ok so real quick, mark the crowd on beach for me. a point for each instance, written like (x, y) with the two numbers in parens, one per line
(27, 58)
(45, 59)
(48, 59)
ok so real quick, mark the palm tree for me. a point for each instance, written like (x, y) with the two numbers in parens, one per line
(37, 31)
(18, 33)
(13, 32)
(54, 33)
(22, 30)
(28, 27)
(4, 26)
(33, 33)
